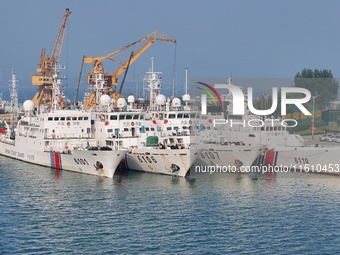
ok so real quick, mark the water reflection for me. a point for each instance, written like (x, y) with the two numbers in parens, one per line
(56, 173)
(190, 215)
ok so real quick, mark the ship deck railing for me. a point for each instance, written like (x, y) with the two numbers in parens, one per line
(68, 137)
(89, 148)
(4, 139)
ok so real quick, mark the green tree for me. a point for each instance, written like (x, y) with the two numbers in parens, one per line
(318, 82)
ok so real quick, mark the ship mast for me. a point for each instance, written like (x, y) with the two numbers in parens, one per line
(57, 95)
(153, 85)
(14, 98)
(0, 98)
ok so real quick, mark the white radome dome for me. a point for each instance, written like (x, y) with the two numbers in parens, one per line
(131, 99)
(176, 102)
(105, 100)
(28, 105)
(160, 99)
(121, 102)
(186, 97)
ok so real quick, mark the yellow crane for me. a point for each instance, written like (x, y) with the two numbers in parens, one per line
(47, 65)
(111, 79)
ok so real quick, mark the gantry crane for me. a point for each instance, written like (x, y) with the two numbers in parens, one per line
(111, 79)
(47, 66)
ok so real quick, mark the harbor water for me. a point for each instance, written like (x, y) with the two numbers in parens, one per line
(45, 211)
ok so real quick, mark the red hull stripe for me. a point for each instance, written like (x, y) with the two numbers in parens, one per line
(57, 160)
(270, 158)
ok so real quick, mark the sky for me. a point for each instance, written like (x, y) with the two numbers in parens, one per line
(217, 38)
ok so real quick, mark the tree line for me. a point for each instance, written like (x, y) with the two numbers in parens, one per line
(321, 84)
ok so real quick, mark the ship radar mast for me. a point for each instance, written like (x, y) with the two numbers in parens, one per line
(1, 103)
(14, 97)
(152, 84)
(57, 95)
(186, 96)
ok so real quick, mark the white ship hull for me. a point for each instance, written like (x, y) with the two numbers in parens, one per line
(81, 161)
(222, 155)
(162, 161)
(309, 159)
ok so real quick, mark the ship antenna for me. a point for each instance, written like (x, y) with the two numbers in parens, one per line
(230, 78)
(14, 98)
(186, 80)
(152, 59)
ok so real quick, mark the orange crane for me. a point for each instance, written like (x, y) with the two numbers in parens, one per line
(111, 79)
(47, 65)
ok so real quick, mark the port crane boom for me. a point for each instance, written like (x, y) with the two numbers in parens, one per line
(111, 79)
(47, 65)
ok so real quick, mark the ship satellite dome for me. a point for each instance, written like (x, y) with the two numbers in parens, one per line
(176, 102)
(105, 100)
(186, 97)
(160, 99)
(131, 99)
(28, 105)
(121, 102)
